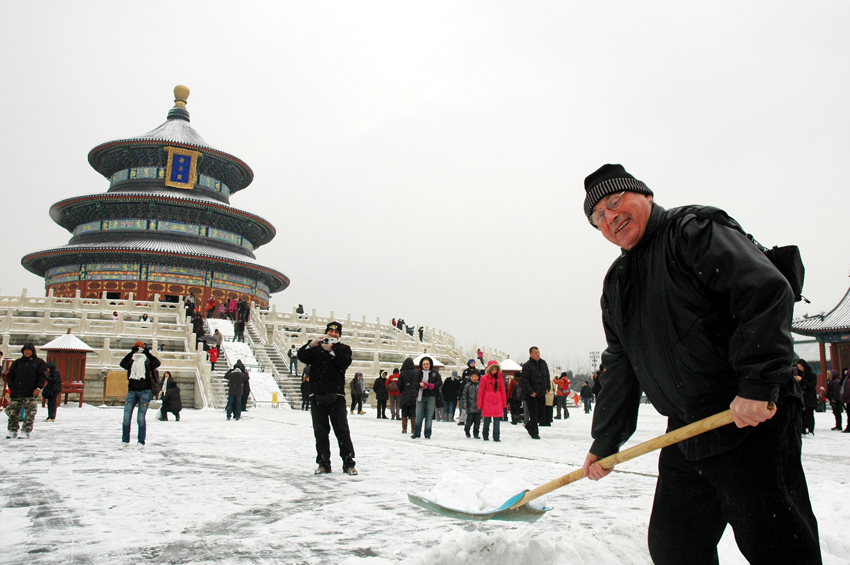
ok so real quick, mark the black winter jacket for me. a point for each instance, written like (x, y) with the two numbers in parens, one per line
(434, 378)
(407, 384)
(694, 315)
(54, 380)
(380, 388)
(809, 385)
(327, 368)
(451, 388)
(236, 381)
(535, 377)
(151, 365)
(25, 375)
(171, 400)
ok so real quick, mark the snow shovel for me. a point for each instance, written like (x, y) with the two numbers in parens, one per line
(516, 509)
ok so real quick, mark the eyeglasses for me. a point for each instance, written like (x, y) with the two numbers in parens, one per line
(614, 203)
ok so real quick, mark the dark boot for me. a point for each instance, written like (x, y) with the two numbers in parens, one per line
(413, 424)
(404, 425)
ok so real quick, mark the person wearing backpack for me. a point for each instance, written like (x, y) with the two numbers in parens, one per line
(141, 366)
(698, 318)
(394, 395)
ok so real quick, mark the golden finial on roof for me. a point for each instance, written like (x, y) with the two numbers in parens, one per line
(181, 95)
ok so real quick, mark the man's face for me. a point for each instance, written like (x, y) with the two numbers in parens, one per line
(626, 225)
(333, 332)
(27, 352)
(535, 354)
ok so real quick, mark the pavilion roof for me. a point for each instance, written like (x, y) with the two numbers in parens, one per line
(837, 319)
(66, 342)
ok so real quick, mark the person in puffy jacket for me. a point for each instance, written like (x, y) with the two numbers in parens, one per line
(381, 395)
(561, 393)
(356, 390)
(428, 382)
(407, 386)
(171, 401)
(52, 390)
(26, 378)
(470, 400)
(492, 399)
(236, 379)
(451, 390)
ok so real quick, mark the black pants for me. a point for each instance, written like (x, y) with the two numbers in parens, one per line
(837, 409)
(245, 401)
(516, 410)
(473, 421)
(536, 412)
(163, 414)
(808, 421)
(357, 400)
(758, 487)
(305, 401)
(325, 417)
(51, 405)
(561, 402)
(382, 409)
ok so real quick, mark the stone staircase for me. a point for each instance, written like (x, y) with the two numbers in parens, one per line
(218, 384)
(272, 361)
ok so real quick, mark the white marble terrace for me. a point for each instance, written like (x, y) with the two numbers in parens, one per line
(376, 346)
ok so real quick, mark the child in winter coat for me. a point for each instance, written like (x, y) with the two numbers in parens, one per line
(492, 399)
(470, 401)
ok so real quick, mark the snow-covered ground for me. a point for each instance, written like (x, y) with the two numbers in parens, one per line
(205, 490)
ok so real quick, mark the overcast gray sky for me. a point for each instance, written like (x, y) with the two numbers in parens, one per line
(427, 160)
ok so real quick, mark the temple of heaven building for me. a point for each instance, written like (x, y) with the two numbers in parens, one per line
(165, 226)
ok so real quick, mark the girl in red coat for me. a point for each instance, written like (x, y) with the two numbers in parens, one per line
(492, 399)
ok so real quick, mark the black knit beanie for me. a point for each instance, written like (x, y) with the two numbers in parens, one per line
(609, 179)
(334, 326)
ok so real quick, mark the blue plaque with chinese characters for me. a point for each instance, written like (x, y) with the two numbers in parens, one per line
(181, 170)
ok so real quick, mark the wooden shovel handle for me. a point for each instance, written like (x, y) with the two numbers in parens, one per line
(670, 438)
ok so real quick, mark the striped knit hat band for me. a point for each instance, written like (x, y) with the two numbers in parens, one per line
(609, 179)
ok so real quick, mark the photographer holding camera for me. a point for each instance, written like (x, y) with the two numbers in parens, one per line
(328, 360)
(141, 366)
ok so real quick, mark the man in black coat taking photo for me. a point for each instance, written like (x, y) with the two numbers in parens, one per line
(328, 360)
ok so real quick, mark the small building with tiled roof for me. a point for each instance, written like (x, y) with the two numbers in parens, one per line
(831, 327)
(165, 225)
